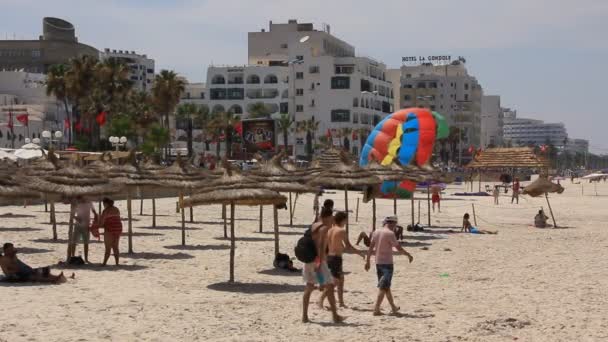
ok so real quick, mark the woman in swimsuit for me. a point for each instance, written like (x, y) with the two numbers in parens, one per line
(468, 228)
(110, 221)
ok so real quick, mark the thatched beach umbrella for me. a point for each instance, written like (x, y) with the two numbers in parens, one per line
(235, 197)
(132, 178)
(184, 180)
(69, 183)
(11, 188)
(329, 158)
(543, 186)
(345, 175)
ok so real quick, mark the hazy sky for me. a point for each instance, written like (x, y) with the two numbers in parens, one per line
(546, 58)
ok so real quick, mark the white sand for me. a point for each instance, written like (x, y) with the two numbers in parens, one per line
(523, 284)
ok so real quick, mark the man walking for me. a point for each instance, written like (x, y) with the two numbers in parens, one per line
(382, 244)
(317, 272)
(338, 243)
(82, 219)
(515, 191)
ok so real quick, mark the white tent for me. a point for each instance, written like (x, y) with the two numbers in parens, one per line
(29, 151)
(595, 175)
(7, 155)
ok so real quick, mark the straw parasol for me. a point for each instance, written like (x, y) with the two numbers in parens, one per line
(543, 186)
(70, 182)
(329, 158)
(233, 197)
(183, 179)
(11, 188)
(41, 167)
(131, 177)
(345, 175)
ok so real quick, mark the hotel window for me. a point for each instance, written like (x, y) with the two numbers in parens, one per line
(299, 108)
(421, 85)
(356, 102)
(407, 97)
(466, 97)
(432, 84)
(355, 117)
(340, 115)
(35, 53)
(313, 69)
(299, 75)
(299, 92)
(340, 82)
(466, 86)
(283, 46)
(300, 58)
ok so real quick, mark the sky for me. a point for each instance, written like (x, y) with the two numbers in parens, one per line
(545, 58)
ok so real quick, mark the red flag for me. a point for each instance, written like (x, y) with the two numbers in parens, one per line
(238, 127)
(23, 118)
(66, 123)
(354, 135)
(328, 133)
(78, 126)
(471, 149)
(101, 119)
(543, 148)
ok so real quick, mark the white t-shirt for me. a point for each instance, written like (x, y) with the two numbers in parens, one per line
(83, 212)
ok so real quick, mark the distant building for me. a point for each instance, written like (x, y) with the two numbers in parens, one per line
(524, 132)
(491, 121)
(57, 45)
(577, 146)
(141, 67)
(445, 88)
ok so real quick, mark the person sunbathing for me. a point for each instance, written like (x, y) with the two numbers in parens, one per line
(17, 271)
(468, 228)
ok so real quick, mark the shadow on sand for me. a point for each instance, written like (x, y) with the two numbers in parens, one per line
(281, 272)
(11, 215)
(2, 229)
(62, 241)
(168, 228)
(280, 232)
(198, 247)
(31, 250)
(246, 239)
(302, 226)
(159, 256)
(99, 268)
(255, 288)
(422, 237)
(414, 244)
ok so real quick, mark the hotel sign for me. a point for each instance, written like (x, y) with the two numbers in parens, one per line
(415, 60)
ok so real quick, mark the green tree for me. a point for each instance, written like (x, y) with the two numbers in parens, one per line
(56, 85)
(81, 89)
(186, 112)
(122, 125)
(156, 137)
(224, 123)
(285, 124)
(258, 110)
(166, 93)
(140, 108)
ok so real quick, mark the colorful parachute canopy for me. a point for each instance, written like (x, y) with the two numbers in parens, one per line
(406, 136)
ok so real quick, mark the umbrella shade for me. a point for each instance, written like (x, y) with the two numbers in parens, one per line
(10, 188)
(542, 186)
(236, 196)
(7, 155)
(28, 153)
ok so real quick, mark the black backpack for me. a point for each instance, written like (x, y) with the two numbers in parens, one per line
(306, 250)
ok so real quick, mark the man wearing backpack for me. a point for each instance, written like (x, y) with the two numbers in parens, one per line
(316, 271)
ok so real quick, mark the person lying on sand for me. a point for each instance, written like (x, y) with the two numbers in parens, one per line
(17, 271)
(468, 228)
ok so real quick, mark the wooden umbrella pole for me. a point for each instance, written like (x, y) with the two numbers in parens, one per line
(46, 208)
(141, 204)
(99, 206)
(53, 220)
(346, 210)
(71, 233)
(232, 244)
(276, 229)
(418, 211)
(183, 212)
(293, 208)
(225, 224)
(290, 214)
(191, 212)
(428, 203)
(550, 210)
(153, 212)
(413, 209)
(130, 216)
(357, 211)
(373, 213)
(261, 216)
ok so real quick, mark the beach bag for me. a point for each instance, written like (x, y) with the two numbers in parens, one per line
(305, 249)
(76, 260)
(281, 261)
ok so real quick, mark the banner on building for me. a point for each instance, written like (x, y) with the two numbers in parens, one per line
(258, 134)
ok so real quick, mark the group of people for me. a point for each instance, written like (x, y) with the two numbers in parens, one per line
(109, 220)
(16, 270)
(326, 271)
(516, 188)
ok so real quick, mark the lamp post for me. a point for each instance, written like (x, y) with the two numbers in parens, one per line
(47, 135)
(118, 142)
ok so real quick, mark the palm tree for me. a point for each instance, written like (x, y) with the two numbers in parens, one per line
(311, 128)
(80, 86)
(224, 122)
(166, 92)
(156, 138)
(56, 85)
(112, 77)
(285, 122)
(185, 112)
(139, 106)
(258, 110)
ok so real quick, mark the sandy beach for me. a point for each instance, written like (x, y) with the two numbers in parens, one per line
(523, 284)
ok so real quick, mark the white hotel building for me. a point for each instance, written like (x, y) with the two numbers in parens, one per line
(141, 68)
(309, 74)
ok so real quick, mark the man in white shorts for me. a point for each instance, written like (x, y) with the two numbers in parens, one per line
(82, 221)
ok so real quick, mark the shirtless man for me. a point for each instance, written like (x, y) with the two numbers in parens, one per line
(17, 271)
(317, 272)
(338, 244)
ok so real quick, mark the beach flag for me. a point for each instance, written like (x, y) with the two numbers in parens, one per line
(328, 133)
(23, 118)
(101, 119)
(238, 127)
(66, 124)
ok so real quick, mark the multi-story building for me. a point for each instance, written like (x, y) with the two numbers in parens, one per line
(141, 67)
(523, 132)
(57, 45)
(326, 81)
(491, 121)
(445, 88)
